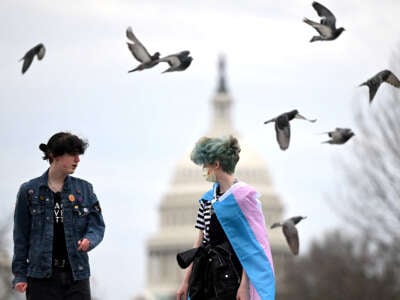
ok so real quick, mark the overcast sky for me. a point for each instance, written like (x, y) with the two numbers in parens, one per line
(139, 125)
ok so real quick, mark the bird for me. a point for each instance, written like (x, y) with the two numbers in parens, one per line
(339, 136)
(290, 232)
(374, 82)
(327, 27)
(178, 61)
(282, 127)
(39, 50)
(140, 52)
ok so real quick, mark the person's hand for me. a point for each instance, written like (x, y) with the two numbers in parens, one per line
(83, 245)
(21, 287)
(182, 291)
(242, 293)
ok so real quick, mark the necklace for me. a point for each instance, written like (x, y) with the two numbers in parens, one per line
(55, 188)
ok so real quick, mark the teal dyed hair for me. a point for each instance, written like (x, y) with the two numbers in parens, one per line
(210, 150)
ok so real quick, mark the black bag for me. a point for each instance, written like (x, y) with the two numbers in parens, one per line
(214, 274)
(185, 258)
(226, 278)
(198, 278)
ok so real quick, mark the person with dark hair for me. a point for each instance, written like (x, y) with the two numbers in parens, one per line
(231, 258)
(57, 220)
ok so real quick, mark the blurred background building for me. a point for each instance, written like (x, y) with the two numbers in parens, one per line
(178, 207)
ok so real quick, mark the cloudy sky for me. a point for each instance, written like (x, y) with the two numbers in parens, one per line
(139, 125)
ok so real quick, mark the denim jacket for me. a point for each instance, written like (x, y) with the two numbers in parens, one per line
(33, 227)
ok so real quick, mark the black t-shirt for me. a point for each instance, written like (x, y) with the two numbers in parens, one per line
(59, 245)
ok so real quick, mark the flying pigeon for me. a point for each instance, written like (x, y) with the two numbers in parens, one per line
(178, 61)
(282, 127)
(140, 53)
(339, 136)
(327, 28)
(374, 82)
(290, 232)
(39, 50)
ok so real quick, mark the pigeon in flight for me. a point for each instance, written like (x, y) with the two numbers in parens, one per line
(140, 53)
(327, 28)
(39, 50)
(375, 82)
(282, 127)
(290, 232)
(178, 61)
(339, 136)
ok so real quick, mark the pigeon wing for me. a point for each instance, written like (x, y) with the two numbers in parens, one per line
(322, 29)
(137, 49)
(130, 35)
(282, 128)
(328, 18)
(374, 82)
(172, 60)
(392, 79)
(373, 88)
(292, 237)
(139, 53)
(340, 135)
(28, 58)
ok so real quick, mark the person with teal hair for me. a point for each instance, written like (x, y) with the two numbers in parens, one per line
(231, 258)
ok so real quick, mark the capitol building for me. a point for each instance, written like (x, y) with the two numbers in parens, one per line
(178, 206)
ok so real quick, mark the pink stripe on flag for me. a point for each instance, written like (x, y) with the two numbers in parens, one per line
(251, 208)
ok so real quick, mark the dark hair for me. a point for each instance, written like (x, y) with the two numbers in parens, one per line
(209, 150)
(63, 143)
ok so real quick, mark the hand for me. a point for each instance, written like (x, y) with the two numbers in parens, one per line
(83, 245)
(21, 287)
(182, 291)
(242, 293)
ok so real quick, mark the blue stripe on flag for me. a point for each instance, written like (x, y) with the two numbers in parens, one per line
(246, 246)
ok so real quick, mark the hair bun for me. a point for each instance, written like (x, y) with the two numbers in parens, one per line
(234, 145)
(43, 147)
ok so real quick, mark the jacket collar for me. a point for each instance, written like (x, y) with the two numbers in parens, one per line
(43, 180)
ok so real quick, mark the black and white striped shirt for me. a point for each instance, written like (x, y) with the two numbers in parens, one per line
(204, 218)
(204, 213)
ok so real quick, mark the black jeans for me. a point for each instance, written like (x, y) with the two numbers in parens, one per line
(61, 286)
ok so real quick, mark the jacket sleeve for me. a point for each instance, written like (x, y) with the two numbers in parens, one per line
(96, 226)
(21, 234)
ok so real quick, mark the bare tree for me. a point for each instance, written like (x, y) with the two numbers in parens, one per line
(371, 174)
(367, 265)
(343, 268)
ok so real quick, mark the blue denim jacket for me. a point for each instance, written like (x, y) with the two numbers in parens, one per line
(33, 227)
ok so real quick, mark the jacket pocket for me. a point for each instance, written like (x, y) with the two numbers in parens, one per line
(37, 217)
(80, 214)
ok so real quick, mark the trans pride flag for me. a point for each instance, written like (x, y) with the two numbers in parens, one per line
(240, 214)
